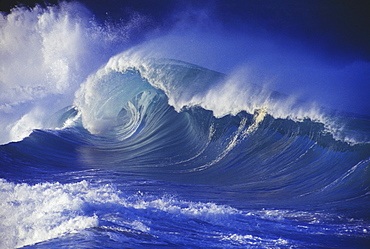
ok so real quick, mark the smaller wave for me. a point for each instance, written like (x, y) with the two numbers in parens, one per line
(37, 213)
(40, 212)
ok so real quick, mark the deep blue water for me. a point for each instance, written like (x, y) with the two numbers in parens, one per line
(107, 144)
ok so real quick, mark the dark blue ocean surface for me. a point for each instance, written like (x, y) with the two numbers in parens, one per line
(113, 136)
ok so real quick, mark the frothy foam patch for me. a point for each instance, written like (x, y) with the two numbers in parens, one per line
(205, 211)
(31, 214)
(34, 213)
(255, 241)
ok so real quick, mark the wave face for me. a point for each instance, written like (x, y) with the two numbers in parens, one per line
(155, 152)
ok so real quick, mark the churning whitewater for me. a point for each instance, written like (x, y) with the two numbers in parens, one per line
(109, 149)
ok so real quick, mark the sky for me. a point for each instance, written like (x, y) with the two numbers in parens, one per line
(330, 26)
(316, 49)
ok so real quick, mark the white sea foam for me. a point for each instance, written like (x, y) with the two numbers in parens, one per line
(34, 213)
(255, 241)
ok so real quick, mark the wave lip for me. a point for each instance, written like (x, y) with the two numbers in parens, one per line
(186, 85)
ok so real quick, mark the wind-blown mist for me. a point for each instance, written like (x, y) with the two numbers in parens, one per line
(268, 60)
(46, 53)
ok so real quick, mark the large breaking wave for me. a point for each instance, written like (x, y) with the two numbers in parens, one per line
(156, 115)
(151, 151)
